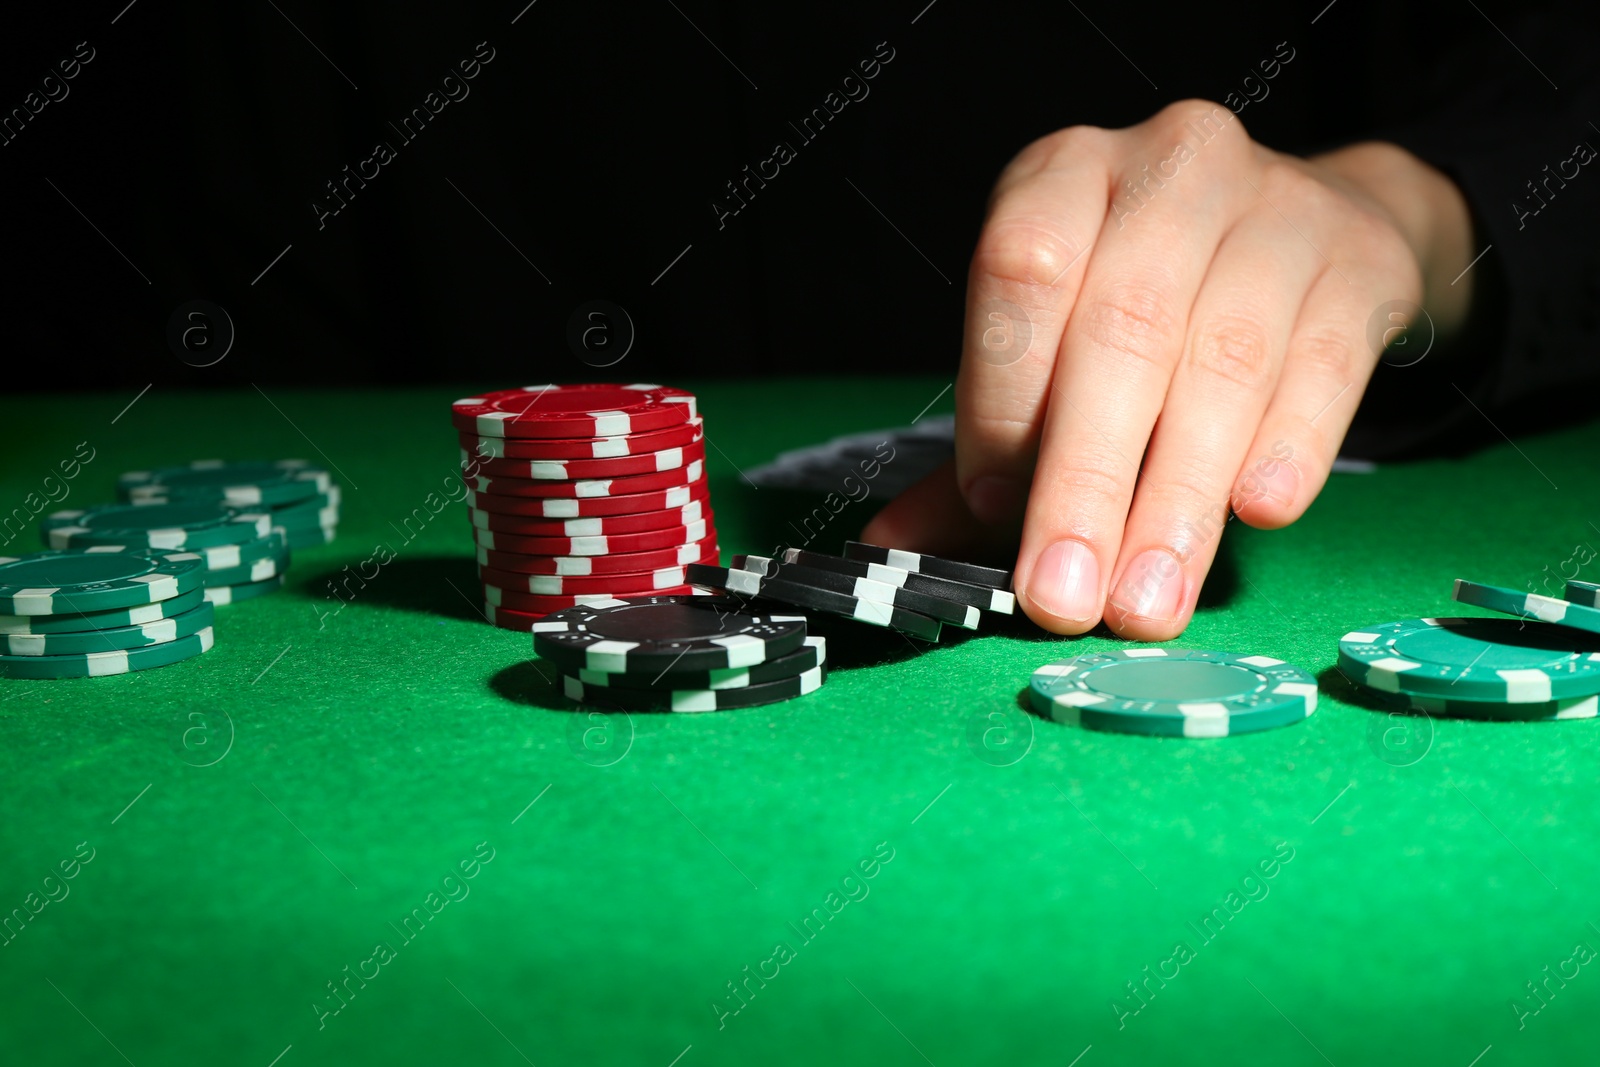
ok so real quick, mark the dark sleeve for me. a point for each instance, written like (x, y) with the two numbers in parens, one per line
(1508, 117)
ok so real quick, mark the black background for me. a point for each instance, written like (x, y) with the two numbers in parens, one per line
(593, 145)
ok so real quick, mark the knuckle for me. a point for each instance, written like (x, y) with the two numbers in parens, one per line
(1132, 320)
(1235, 349)
(1084, 481)
(1195, 113)
(1327, 353)
(1029, 251)
(1051, 150)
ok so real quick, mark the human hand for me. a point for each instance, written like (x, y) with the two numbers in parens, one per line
(1165, 322)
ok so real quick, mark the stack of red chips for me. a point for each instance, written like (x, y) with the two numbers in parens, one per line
(583, 493)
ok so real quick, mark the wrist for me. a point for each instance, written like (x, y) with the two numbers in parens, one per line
(1428, 210)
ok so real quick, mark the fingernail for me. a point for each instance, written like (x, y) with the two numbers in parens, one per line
(995, 499)
(1275, 480)
(1151, 587)
(1066, 582)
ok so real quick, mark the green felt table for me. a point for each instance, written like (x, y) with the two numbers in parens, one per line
(950, 880)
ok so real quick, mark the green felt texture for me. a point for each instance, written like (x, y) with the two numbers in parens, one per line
(1436, 867)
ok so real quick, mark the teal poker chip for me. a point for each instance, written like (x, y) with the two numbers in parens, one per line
(312, 538)
(1493, 711)
(749, 696)
(109, 640)
(99, 664)
(1528, 605)
(251, 484)
(1510, 661)
(233, 594)
(73, 583)
(320, 510)
(1584, 593)
(813, 654)
(74, 623)
(255, 570)
(1173, 692)
(220, 557)
(168, 527)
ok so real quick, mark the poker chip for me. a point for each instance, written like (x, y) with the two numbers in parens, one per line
(109, 639)
(602, 545)
(1584, 593)
(583, 494)
(74, 583)
(1168, 692)
(247, 485)
(592, 526)
(597, 487)
(73, 622)
(582, 507)
(667, 633)
(219, 557)
(583, 447)
(946, 611)
(1510, 661)
(799, 595)
(568, 411)
(1493, 711)
(624, 584)
(584, 469)
(544, 604)
(99, 664)
(258, 570)
(955, 570)
(577, 566)
(814, 653)
(171, 526)
(689, 700)
(984, 597)
(1528, 605)
(233, 594)
(311, 511)
(303, 539)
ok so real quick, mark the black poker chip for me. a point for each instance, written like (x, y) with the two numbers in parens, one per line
(665, 633)
(749, 584)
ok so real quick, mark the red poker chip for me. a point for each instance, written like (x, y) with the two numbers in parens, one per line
(583, 447)
(594, 487)
(565, 411)
(603, 545)
(555, 507)
(550, 470)
(525, 526)
(577, 566)
(528, 603)
(631, 584)
(522, 621)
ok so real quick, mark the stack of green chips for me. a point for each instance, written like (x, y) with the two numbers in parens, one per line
(77, 614)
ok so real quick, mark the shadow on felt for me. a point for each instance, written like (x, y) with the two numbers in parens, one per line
(438, 585)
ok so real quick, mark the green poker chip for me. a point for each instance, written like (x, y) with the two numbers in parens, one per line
(320, 510)
(1493, 711)
(233, 594)
(72, 622)
(74, 583)
(249, 484)
(99, 664)
(168, 527)
(1528, 605)
(1172, 692)
(109, 640)
(256, 570)
(1584, 593)
(1510, 661)
(312, 538)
